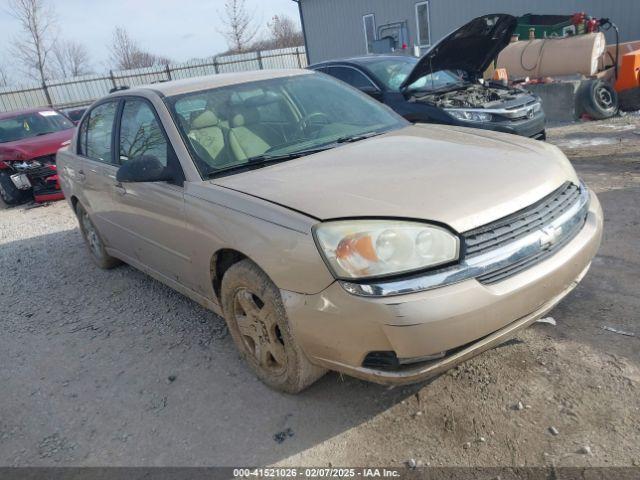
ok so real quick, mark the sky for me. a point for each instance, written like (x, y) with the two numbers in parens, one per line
(177, 29)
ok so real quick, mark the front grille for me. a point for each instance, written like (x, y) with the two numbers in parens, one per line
(531, 219)
(539, 136)
(521, 223)
(506, 272)
(41, 172)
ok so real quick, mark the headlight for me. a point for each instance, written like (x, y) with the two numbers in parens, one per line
(470, 115)
(371, 248)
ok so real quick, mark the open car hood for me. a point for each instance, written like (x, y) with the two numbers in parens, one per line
(470, 48)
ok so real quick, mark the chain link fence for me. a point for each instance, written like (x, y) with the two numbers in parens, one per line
(79, 91)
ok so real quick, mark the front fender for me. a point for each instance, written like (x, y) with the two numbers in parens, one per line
(277, 239)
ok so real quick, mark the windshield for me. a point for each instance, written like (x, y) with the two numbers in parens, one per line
(227, 128)
(393, 71)
(33, 124)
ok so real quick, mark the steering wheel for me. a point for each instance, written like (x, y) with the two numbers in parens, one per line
(312, 120)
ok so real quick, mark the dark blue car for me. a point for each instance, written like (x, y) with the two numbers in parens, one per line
(446, 85)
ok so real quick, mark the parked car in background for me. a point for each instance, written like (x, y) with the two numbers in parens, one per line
(330, 232)
(74, 114)
(29, 140)
(446, 85)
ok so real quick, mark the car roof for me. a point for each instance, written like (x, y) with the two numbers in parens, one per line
(25, 111)
(363, 59)
(194, 84)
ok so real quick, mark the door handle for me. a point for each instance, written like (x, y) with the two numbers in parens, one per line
(119, 188)
(81, 175)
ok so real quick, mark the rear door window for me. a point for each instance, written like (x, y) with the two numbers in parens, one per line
(351, 76)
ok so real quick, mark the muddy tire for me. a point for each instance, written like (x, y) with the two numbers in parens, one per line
(9, 193)
(258, 324)
(94, 242)
(598, 99)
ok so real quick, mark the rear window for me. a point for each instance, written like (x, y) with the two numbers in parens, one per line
(32, 124)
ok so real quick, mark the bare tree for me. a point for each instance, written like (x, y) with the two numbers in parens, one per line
(284, 32)
(239, 28)
(122, 49)
(70, 59)
(126, 54)
(4, 77)
(32, 49)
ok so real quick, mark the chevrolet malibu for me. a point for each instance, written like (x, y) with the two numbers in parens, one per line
(327, 230)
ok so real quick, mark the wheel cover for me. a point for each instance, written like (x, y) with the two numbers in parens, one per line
(604, 98)
(259, 331)
(90, 233)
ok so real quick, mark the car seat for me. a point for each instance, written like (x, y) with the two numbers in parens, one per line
(205, 129)
(248, 137)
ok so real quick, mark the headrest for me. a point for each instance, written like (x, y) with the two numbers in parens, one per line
(245, 116)
(204, 120)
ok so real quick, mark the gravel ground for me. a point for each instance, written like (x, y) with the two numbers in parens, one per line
(113, 368)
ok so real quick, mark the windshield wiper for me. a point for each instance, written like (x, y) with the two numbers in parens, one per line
(357, 138)
(265, 160)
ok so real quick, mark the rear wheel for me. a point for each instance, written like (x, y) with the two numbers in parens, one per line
(94, 242)
(258, 324)
(598, 99)
(10, 194)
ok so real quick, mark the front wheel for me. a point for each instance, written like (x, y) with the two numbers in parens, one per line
(93, 241)
(258, 324)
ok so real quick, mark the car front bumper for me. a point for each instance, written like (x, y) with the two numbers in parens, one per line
(530, 127)
(338, 330)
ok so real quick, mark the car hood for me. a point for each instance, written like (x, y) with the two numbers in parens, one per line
(39, 146)
(470, 48)
(457, 176)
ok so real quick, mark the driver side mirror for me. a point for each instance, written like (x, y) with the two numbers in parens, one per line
(371, 91)
(146, 168)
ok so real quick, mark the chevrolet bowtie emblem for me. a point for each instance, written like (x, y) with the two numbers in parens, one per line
(549, 236)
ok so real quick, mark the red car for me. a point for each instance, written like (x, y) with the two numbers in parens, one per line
(29, 140)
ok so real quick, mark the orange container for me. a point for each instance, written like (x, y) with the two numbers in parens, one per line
(628, 71)
(500, 75)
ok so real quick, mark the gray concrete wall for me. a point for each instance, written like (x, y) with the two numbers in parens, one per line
(558, 100)
(334, 28)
